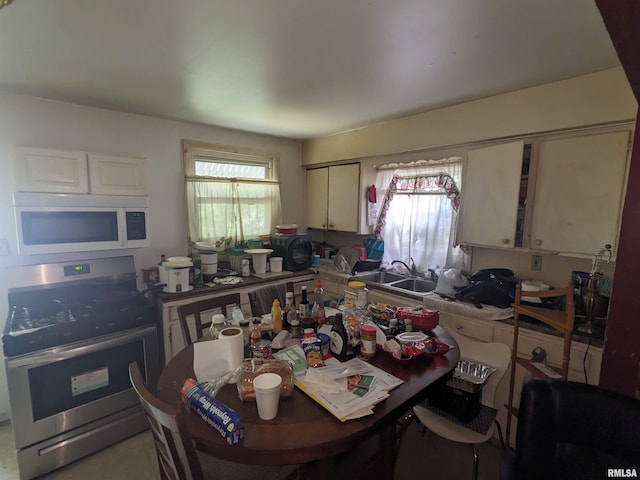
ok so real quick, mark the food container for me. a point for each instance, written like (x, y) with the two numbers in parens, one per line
(470, 376)
(421, 318)
(287, 229)
(252, 367)
(461, 395)
(254, 243)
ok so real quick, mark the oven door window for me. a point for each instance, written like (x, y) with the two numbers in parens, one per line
(58, 227)
(60, 386)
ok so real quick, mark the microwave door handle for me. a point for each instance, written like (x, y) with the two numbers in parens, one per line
(122, 227)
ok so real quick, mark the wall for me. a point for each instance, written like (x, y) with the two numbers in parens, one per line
(29, 121)
(592, 99)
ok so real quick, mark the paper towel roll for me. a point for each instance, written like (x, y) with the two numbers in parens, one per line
(217, 356)
(232, 341)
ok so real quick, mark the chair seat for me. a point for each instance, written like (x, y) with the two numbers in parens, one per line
(222, 469)
(450, 430)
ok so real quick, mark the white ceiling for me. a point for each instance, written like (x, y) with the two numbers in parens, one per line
(293, 68)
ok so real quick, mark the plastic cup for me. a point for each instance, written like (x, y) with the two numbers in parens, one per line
(267, 388)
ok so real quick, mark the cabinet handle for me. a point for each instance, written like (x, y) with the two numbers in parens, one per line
(538, 242)
(459, 327)
(506, 241)
(324, 225)
(331, 225)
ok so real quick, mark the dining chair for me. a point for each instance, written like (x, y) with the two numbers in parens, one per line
(571, 430)
(262, 299)
(198, 308)
(497, 355)
(178, 458)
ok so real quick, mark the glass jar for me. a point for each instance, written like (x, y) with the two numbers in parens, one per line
(367, 341)
(356, 295)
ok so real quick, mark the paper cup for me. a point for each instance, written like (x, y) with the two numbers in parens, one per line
(267, 388)
(275, 264)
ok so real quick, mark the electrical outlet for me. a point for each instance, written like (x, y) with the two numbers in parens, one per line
(536, 262)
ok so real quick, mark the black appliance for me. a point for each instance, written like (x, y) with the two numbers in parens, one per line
(72, 330)
(296, 250)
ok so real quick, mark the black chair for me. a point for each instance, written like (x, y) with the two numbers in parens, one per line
(569, 430)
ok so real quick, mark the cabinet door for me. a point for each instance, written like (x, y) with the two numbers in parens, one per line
(317, 196)
(490, 192)
(344, 190)
(51, 171)
(579, 192)
(117, 175)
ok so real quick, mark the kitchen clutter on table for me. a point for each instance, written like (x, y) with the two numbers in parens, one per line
(321, 347)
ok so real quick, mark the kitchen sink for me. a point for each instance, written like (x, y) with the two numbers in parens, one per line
(380, 277)
(397, 283)
(416, 285)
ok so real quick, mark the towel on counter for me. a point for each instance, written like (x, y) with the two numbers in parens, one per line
(488, 312)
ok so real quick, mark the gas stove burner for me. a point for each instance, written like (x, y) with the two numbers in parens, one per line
(82, 312)
(59, 306)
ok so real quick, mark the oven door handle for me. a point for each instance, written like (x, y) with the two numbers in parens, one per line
(84, 347)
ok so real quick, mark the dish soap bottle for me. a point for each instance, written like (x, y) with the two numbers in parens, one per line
(276, 316)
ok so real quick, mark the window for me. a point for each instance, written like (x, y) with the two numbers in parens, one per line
(231, 192)
(418, 213)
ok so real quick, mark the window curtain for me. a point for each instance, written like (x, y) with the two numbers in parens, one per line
(418, 213)
(231, 208)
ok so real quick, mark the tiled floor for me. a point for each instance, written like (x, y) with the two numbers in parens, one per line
(422, 456)
(134, 458)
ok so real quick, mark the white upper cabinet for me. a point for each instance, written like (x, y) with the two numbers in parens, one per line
(567, 199)
(50, 171)
(62, 171)
(317, 197)
(109, 175)
(332, 198)
(490, 191)
(580, 186)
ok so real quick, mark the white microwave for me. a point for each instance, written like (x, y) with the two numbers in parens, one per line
(65, 223)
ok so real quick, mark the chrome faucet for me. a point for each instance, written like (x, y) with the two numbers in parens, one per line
(412, 270)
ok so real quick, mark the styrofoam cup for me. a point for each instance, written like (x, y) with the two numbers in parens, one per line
(275, 264)
(267, 388)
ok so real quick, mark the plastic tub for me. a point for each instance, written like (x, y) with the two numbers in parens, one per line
(275, 264)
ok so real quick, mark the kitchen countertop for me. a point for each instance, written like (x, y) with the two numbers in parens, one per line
(492, 314)
(255, 279)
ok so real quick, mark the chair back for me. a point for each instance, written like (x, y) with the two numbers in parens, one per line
(177, 457)
(497, 355)
(262, 299)
(574, 430)
(210, 305)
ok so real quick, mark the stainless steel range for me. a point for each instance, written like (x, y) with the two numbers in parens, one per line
(72, 330)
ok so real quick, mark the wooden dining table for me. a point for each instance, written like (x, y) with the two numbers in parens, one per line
(305, 433)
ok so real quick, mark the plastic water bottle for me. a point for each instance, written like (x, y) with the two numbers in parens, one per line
(237, 315)
(318, 294)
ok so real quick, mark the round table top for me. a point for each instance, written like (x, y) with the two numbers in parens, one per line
(303, 430)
